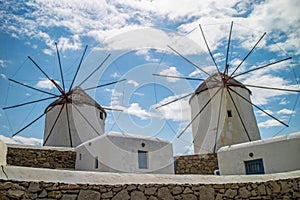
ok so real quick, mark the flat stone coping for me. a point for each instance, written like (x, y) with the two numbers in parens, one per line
(84, 177)
(28, 147)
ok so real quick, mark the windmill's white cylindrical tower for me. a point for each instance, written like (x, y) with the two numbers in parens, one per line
(85, 119)
(225, 118)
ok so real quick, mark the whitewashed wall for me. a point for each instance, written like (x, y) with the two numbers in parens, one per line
(81, 130)
(119, 153)
(279, 154)
(230, 129)
(3, 152)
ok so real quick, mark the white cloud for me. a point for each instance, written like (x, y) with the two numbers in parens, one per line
(286, 111)
(283, 101)
(209, 69)
(269, 123)
(177, 111)
(45, 83)
(134, 83)
(139, 94)
(67, 44)
(262, 97)
(147, 55)
(115, 75)
(2, 63)
(3, 76)
(136, 110)
(171, 71)
(21, 140)
(260, 113)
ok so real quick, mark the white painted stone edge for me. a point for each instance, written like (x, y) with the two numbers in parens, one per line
(84, 177)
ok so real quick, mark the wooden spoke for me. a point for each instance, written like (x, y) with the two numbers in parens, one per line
(248, 54)
(91, 74)
(32, 122)
(209, 51)
(272, 88)
(33, 87)
(179, 77)
(195, 117)
(259, 108)
(219, 116)
(74, 78)
(174, 100)
(240, 117)
(23, 104)
(106, 84)
(264, 66)
(61, 109)
(188, 60)
(60, 67)
(86, 119)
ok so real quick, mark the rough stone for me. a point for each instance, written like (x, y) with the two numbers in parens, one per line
(230, 193)
(43, 194)
(189, 197)
(177, 190)
(5, 186)
(137, 195)
(150, 190)
(15, 193)
(121, 195)
(196, 164)
(244, 193)
(187, 190)
(89, 194)
(275, 187)
(261, 189)
(153, 198)
(131, 187)
(284, 187)
(69, 197)
(207, 193)
(219, 197)
(164, 193)
(107, 195)
(34, 187)
(43, 158)
(54, 194)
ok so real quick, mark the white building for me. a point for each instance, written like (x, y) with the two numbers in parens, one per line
(278, 154)
(85, 120)
(116, 152)
(217, 125)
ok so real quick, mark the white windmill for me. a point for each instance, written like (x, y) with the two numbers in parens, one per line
(74, 117)
(221, 108)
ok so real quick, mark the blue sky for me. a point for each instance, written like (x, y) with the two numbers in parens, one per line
(136, 34)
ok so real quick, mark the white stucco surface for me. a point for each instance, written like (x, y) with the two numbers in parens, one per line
(74, 121)
(118, 152)
(3, 152)
(65, 176)
(213, 128)
(279, 154)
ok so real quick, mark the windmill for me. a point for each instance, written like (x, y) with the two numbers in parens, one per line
(74, 117)
(221, 109)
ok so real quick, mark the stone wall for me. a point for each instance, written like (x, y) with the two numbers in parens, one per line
(196, 164)
(278, 189)
(41, 157)
(64, 158)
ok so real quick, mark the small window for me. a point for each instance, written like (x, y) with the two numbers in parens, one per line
(254, 166)
(96, 162)
(101, 115)
(229, 113)
(143, 159)
(80, 156)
